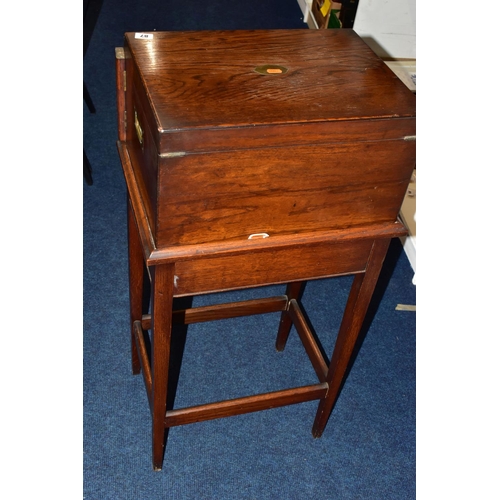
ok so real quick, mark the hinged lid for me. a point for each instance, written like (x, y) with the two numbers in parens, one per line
(213, 80)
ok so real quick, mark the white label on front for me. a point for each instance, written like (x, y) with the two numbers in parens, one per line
(258, 235)
(145, 36)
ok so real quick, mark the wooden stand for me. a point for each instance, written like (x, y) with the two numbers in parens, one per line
(336, 249)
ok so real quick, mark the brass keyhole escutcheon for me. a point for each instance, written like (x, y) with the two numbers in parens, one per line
(271, 69)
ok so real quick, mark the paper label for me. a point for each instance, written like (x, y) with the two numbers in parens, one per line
(144, 36)
(325, 7)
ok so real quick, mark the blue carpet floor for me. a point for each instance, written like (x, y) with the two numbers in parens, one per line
(368, 448)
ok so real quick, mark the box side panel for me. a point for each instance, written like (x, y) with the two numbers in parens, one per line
(234, 194)
(141, 144)
(135, 150)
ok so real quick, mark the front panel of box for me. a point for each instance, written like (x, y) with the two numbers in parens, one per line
(235, 194)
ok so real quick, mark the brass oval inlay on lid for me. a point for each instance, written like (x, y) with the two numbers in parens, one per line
(271, 69)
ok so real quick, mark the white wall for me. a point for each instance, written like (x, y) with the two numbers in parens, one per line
(388, 27)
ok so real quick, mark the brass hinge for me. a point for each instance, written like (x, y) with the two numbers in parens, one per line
(138, 129)
(175, 154)
(410, 138)
(125, 119)
(124, 80)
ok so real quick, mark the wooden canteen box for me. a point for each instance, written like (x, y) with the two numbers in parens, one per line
(274, 132)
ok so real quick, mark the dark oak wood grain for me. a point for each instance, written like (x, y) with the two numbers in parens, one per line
(207, 79)
(346, 184)
(223, 311)
(308, 340)
(161, 332)
(189, 113)
(254, 158)
(246, 404)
